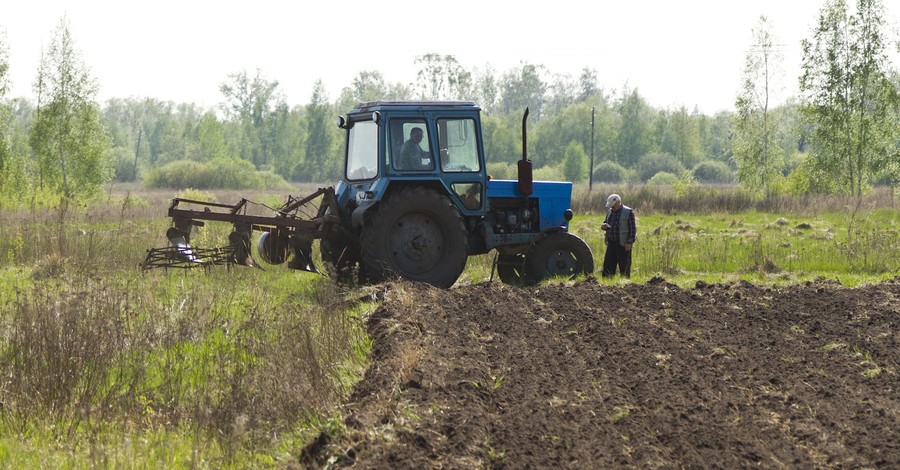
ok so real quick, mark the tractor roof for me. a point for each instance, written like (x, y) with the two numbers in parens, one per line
(414, 105)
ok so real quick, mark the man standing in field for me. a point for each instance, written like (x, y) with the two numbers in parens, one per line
(621, 233)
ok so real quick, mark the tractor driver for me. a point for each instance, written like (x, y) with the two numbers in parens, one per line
(411, 154)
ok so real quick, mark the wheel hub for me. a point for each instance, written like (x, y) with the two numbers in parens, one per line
(562, 262)
(416, 243)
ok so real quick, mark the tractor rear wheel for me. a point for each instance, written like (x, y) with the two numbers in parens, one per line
(559, 254)
(416, 233)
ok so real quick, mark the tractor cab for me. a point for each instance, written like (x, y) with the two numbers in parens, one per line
(392, 144)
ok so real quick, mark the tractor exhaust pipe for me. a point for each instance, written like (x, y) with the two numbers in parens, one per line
(526, 178)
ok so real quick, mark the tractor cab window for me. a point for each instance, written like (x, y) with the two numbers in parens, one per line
(362, 151)
(411, 148)
(459, 148)
(469, 194)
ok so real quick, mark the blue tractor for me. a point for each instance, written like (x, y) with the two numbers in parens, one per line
(415, 202)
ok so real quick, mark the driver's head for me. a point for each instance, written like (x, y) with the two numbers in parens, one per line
(416, 134)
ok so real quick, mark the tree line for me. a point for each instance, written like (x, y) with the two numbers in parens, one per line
(839, 136)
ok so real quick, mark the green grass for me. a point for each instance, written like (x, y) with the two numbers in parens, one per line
(102, 364)
(753, 246)
(760, 247)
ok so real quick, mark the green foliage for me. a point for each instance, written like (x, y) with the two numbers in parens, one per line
(716, 136)
(553, 134)
(686, 186)
(5, 112)
(4, 65)
(67, 137)
(523, 87)
(549, 173)
(211, 138)
(807, 177)
(849, 101)
(257, 105)
(14, 177)
(501, 143)
(662, 178)
(177, 174)
(502, 171)
(793, 160)
(230, 173)
(681, 136)
(575, 163)
(302, 144)
(441, 78)
(634, 128)
(609, 172)
(756, 146)
(369, 85)
(197, 195)
(651, 164)
(322, 162)
(712, 171)
(887, 177)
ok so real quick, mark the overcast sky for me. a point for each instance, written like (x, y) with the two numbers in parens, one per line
(687, 52)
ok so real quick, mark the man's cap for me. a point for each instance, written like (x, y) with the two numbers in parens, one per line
(612, 199)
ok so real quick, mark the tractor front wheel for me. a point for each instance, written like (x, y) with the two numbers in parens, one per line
(415, 233)
(558, 255)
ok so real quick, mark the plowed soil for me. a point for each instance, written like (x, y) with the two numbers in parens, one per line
(646, 375)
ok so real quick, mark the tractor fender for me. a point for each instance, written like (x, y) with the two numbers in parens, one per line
(542, 235)
(356, 218)
(552, 230)
(547, 232)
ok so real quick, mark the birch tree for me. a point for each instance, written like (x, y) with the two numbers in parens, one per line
(67, 137)
(849, 101)
(756, 145)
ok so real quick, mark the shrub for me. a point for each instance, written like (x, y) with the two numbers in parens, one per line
(575, 162)
(177, 174)
(663, 178)
(886, 178)
(222, 173)
(233, 173)
(271, 180)
(609, 172)
(549, 173)
(196, 195)
(713, 171)
(501, 171)
(653, 163)
(686, 186)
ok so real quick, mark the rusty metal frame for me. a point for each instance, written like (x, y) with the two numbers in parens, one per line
(286, 218)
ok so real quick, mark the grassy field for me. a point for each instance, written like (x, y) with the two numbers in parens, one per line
(103, 364)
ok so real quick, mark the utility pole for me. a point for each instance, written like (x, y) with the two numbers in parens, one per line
(591, 174)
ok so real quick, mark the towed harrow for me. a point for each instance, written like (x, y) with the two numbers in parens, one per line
(292, 226)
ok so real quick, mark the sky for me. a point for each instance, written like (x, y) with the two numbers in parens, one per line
(675, 53)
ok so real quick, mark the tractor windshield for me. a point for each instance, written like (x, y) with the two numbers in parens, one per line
(362, 151)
